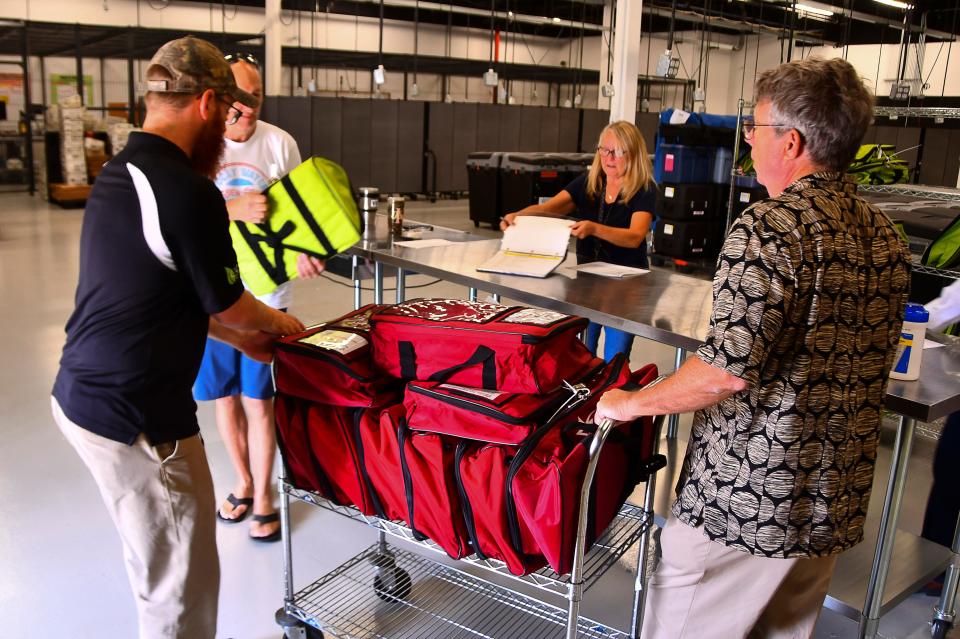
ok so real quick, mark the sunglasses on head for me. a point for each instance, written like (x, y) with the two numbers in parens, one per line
(233, 58)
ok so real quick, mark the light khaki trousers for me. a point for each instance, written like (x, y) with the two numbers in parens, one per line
(703, 589)
(161, 501)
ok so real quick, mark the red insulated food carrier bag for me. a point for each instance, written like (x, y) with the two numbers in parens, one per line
(412, 473)
(433, 503)
(495, 417)
(381, 448)
(474, 344)
(322, 450)
(330, 363)
(521, 504)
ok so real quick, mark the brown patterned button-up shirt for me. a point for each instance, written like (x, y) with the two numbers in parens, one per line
(808, 301)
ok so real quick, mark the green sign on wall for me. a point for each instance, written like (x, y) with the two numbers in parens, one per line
(64, 86)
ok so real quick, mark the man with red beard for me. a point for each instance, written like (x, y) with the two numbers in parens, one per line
(157, 273)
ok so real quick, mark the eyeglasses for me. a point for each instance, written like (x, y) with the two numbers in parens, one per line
(606, 153)
(749, 128)
(234, 114)
(233, 58)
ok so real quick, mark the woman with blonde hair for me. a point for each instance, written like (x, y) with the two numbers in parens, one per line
(614, 202)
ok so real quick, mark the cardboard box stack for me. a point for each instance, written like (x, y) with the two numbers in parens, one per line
(96, 156)
(119, 132)
(72, 157)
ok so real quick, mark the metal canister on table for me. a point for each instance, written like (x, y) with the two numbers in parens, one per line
(395, 210)
(369, 200)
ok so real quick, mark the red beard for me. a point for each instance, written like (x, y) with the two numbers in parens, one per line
(208, 149)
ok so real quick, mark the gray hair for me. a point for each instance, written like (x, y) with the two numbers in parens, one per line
(826, 101)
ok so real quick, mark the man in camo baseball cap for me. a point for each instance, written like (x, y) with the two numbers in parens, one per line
(193, 66)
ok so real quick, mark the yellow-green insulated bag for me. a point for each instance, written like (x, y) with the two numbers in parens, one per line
(311, 210)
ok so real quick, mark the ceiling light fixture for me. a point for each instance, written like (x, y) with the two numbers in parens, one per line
(806, 8)
(896, 4)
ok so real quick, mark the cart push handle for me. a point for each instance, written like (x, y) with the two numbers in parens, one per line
(603, 430)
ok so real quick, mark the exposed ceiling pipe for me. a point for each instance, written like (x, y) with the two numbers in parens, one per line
(713, 44)
(470, 11)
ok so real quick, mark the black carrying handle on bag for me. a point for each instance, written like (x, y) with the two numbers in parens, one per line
(484, 356)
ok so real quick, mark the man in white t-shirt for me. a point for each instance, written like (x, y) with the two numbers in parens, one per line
(256, 153)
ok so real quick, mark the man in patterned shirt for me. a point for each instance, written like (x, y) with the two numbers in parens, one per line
(788, 385)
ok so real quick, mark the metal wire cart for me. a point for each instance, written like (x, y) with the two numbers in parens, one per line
(386, 591)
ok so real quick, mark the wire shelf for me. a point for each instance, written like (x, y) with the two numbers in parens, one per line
(916, 112)
(942, 272)
(622, 533)
(916, 190)
(442, 602)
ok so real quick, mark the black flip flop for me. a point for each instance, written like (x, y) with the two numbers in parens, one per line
(267, 519)
(236, 502)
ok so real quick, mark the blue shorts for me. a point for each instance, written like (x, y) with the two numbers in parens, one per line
(225, 371)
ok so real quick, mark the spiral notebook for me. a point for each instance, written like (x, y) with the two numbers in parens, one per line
(533, 246)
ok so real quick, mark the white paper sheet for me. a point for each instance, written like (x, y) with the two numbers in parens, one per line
(610, 270)
(416, 244)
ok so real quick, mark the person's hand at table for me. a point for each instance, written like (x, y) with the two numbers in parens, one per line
(507, 220)
(583, 228)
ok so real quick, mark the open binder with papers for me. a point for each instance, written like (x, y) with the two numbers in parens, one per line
(531, 246)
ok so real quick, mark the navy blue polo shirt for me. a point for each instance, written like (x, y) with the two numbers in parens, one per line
(155, 262)
(617, 214)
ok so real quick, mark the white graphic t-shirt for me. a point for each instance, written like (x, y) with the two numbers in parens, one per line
(268, 155)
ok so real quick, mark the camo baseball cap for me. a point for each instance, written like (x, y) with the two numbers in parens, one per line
(194, 65)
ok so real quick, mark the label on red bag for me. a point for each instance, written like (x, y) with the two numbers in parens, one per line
(478, 392)
(668, 162)
(537, 316)
(360, 322)
(449, 310)
(340, 341)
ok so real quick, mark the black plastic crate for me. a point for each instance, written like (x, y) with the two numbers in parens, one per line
(692, 202)
(689, 240)
(483, 177)
(530, 178)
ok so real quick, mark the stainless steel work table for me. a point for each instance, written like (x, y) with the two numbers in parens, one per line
(674, 309)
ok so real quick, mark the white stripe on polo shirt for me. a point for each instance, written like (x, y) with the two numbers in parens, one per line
(150, 218)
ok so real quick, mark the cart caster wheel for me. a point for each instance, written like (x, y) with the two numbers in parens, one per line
(392, 583)
(303, 631)
(939, 628)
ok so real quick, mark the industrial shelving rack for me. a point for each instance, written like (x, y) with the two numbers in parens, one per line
(391, 592)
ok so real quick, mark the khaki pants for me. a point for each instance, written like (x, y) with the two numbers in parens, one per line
(703, 590)
(161, 501)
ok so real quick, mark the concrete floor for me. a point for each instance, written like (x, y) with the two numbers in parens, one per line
(60, 562)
